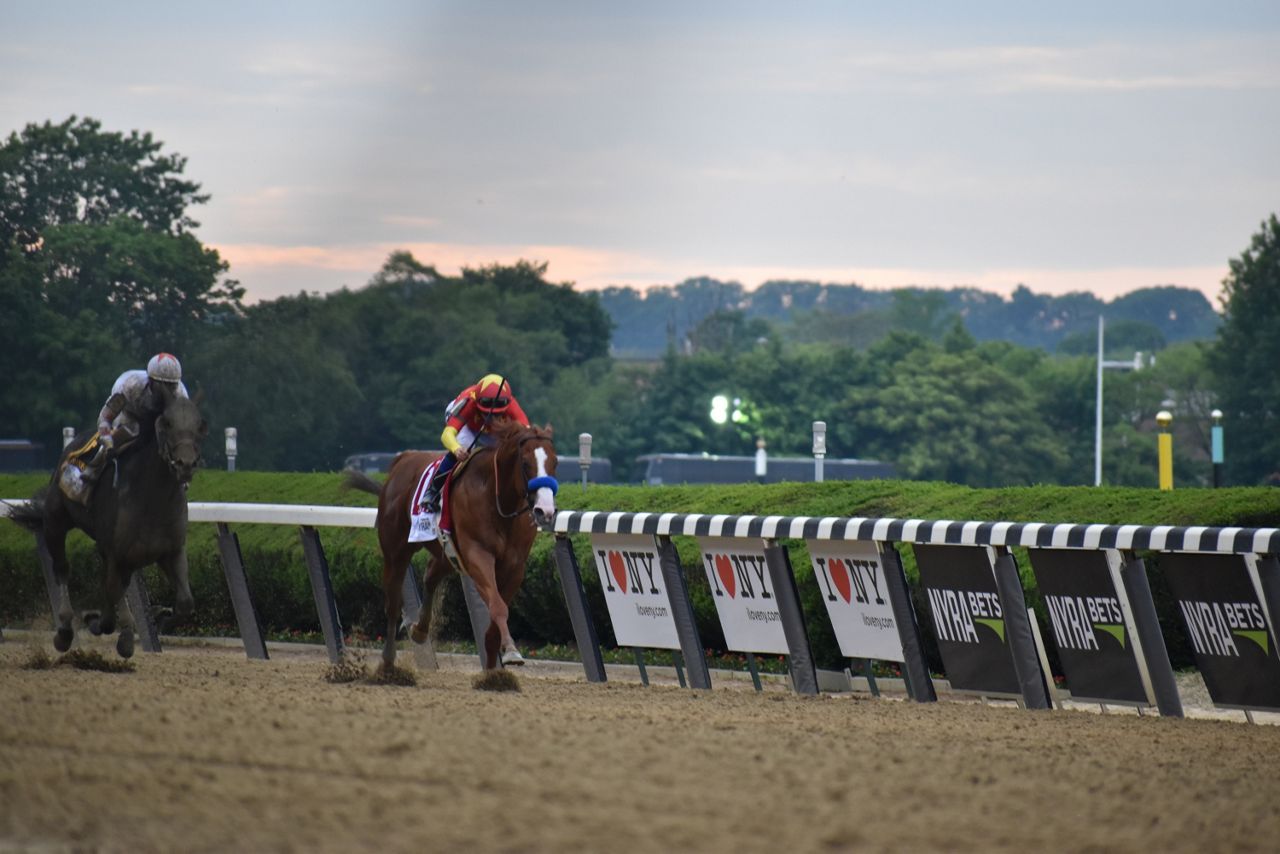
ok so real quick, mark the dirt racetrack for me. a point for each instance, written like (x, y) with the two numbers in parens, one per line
(200, 749)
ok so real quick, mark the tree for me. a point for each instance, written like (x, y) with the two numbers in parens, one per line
(1121, 339)
(57, 362)
(950, 416)
(98, 267)
(74, 171)
(729, 332)
(275, 377)
(924, 312)
(1245, 356)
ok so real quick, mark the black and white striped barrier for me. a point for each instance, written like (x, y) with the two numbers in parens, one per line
(1226, 582)
(939, 532)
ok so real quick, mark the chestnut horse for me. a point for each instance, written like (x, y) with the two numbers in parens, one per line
(497, 500)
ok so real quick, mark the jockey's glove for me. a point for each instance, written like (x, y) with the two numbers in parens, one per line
(105, 440)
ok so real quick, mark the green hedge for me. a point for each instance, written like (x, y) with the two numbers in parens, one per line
(278, 578)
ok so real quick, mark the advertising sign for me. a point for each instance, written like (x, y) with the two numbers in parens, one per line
(1090, 624)
(1230, 633)
(968, 619)
(634, 590)
(851, 578)
(743, 593)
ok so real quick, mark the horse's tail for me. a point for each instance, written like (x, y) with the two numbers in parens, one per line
(29, 514)
(356, 479)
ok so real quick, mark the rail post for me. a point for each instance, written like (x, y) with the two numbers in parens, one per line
(1147, 622)
(575, 599)
(682, 612)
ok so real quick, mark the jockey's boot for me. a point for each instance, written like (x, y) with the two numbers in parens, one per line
(431, 501)
(94, 467)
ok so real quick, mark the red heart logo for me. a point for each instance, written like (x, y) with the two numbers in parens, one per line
(619, 570)
(839, 577)
(724, 569)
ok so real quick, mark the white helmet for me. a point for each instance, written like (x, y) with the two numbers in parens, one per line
(165, 368)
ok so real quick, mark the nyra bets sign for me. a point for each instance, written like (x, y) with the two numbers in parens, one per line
(968, 618)
(851, 578)
(743, 593)
(1227, 626)
(1088, 624)
(634, 590)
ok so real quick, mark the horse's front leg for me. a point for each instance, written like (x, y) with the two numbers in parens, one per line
(497, 639)
(175, 569)
(57, 545)
(117, 607)
(509, 583)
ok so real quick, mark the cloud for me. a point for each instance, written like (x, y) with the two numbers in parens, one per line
(1241, 63)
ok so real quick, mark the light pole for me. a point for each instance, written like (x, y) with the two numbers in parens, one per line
(230, 434)
(1135, 365)
(1164, 418)
(1216, 432)
(584, 456)
(819, 448)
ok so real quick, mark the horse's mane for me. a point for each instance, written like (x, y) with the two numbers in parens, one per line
(507, 431)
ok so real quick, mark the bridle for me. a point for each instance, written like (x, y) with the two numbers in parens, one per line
(165, 447)
(532, 485)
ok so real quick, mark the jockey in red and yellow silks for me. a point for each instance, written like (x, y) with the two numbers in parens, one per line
(466, 421)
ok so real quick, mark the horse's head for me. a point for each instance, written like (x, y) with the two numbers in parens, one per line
(536, 454)
(179, 431)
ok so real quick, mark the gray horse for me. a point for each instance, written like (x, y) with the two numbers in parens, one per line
(136, 515)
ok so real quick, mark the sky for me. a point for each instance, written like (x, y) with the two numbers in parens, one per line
(1099, 147)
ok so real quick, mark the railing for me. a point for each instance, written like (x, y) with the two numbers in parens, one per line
(1093, 578)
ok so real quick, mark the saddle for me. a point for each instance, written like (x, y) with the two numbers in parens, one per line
(80, 456)
(72, 477)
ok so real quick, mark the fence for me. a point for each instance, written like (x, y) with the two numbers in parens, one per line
(1093, 578)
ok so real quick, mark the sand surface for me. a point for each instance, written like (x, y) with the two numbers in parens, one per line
(200, 749)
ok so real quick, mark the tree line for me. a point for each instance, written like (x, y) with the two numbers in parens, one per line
(1147, 319)
(100, 267)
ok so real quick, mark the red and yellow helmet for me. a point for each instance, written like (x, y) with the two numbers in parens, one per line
(493, 394)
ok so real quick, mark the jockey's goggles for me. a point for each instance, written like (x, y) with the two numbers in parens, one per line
(493, 402)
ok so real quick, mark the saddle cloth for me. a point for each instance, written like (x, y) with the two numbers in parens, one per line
(424, 525)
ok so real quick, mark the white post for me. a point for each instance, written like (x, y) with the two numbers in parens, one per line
(584, 455)
(762, 461)
(68, 434)
(819, 448)
(230, 434)
(1097, 433)
(1134, 365)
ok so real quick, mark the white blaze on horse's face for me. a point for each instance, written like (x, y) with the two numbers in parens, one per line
(545, 503)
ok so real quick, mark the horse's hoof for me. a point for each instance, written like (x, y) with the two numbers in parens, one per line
(512, 657)
(93, 622)
(62, 640)
(418, 635)
(124, 644)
